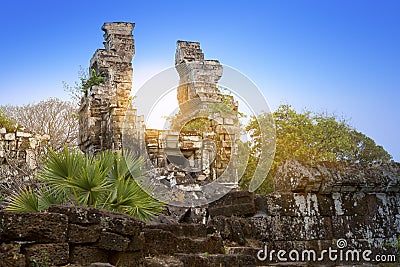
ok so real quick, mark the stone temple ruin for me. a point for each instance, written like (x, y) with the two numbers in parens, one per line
(104, 107)
(199, 96)
(309, 208)
(182, 156)
(312, 209)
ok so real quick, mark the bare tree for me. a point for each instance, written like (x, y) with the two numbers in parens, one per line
(54, 117)
(76, 91)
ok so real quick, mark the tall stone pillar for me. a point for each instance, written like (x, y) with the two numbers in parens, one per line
(199, 97)
(104, 106)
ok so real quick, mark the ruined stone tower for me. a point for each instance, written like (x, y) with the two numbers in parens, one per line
(104, 106)
(198, 77)
(106, 112)
(200, 97)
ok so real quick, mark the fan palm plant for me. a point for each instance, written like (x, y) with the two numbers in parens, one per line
(104, 181)
(24, 200)
(126, 195)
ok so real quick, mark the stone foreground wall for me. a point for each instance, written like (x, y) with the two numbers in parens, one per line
(357, 203)
(314, 207)
(77, 236)
(69, 235)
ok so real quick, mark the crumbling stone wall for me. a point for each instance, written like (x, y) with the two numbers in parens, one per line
(302, 216)
(200, 97)
(186, 155)
(181, 158)
(20, 153)
(81, 236)
(314, 207)
(69, 235)
(103, 108)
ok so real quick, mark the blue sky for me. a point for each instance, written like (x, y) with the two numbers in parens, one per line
(337, 56)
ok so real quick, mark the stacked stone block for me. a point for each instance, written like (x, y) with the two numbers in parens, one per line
(20, 153)
(106, 112)
(240, 224)
(314, 207)
(69, 235)
(200, 97)
(105, 106)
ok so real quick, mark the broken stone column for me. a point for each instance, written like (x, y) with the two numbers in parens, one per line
(104, 106)
(200, 97)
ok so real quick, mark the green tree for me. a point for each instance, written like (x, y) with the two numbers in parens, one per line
(104, 181)
(310, 137)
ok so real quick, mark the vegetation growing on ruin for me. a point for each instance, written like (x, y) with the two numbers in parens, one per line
(200, 125)
(227, 103)
(9, 124)
(86, 81)
(93, 80)
(43, 261)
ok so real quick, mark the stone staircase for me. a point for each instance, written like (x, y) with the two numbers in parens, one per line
(181, 245)
(226, 240)
(189, 245)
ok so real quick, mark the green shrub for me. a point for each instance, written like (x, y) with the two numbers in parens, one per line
(106, 181)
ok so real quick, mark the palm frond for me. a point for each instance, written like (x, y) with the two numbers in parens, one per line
(46, 198)
(126, 166)
(136, 165)
(25, 200)
(60, 168)
(106, 159)
(90, 185)
(130, 198)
